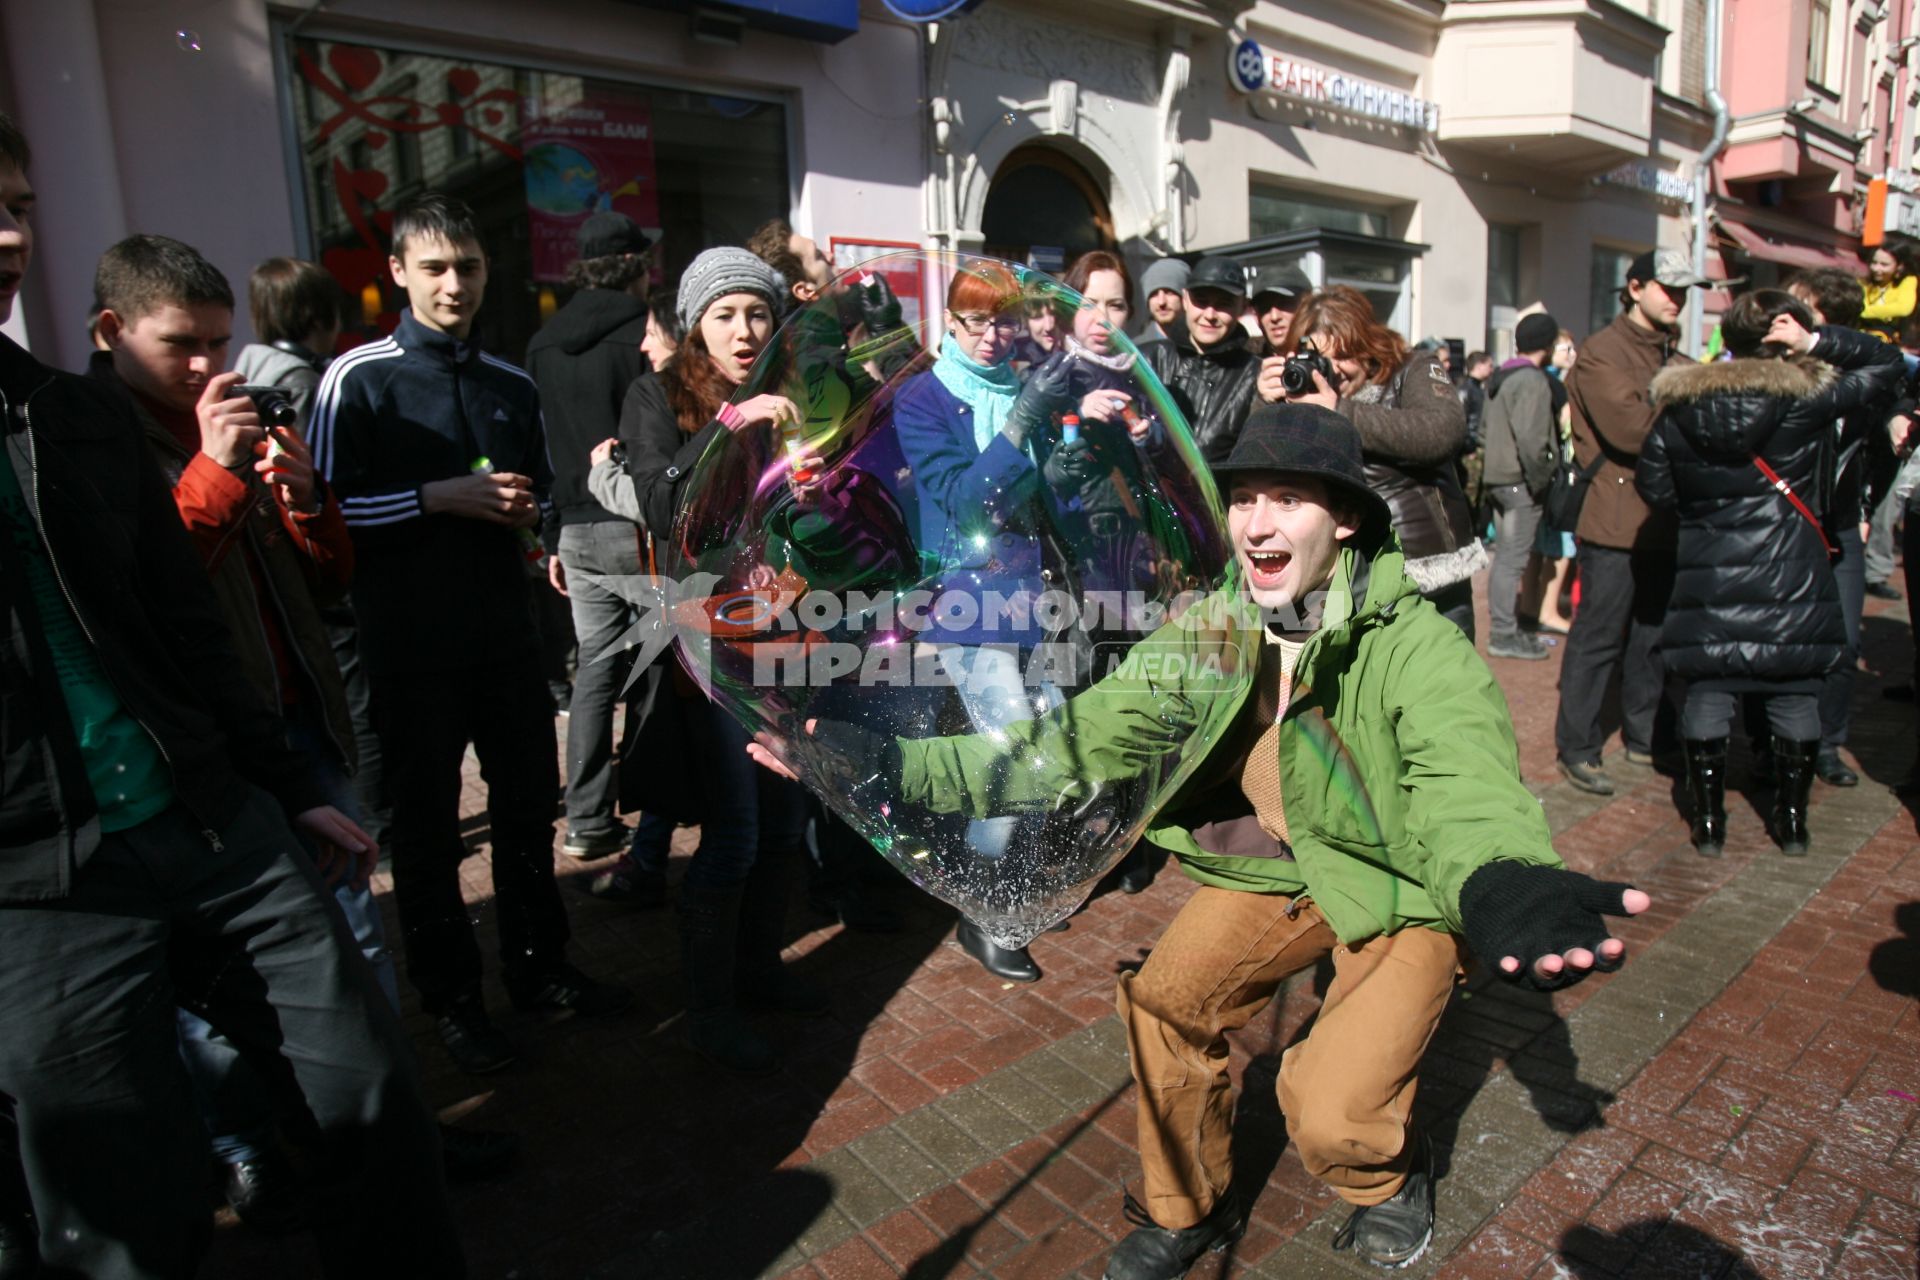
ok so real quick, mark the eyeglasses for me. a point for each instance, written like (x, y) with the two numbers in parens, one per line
(976, 324)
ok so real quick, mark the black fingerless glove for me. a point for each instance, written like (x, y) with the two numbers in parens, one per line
(1049, 386)
(867, 761)
(1527, 911)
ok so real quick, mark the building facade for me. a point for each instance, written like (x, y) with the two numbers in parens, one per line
(250, 130)
(1461, 162)
(1819, 163)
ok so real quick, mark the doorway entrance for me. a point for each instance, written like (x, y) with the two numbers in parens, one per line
(1044, 209)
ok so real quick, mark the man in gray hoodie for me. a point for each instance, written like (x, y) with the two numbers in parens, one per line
(1522, 445)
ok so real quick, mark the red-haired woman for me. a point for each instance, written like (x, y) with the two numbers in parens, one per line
(977, 441)
(1412, 428)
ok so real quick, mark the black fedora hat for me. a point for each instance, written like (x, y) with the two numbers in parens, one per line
(1305, 439)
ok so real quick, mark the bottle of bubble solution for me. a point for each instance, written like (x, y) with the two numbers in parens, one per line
(529, 540)
(793, 439)
(1070, 428)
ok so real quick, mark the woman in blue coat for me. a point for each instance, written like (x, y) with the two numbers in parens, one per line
(978, 443)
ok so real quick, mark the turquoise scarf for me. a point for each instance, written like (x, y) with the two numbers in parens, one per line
(988, 390)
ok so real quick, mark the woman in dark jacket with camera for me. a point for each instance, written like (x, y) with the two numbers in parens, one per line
(1412, 427)
(1737, 453)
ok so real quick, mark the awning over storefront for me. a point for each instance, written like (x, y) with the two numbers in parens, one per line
(1756, 245)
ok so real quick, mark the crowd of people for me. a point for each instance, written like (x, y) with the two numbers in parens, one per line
(259, 616)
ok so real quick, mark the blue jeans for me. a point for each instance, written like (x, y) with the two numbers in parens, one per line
(233, 1101)
(746, 809)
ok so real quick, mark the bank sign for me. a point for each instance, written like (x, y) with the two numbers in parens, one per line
(1254, 69)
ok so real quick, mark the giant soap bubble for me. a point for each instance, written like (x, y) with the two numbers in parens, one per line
(987, 632)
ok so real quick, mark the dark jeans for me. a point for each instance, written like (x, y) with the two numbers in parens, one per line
(1623, 601)
(233, 1100)
(369, 775)
(244, 935)
(748, 810)
(426, 721)
(1708, 714)
(1516, 518)
(1836, 691)
(593, 553)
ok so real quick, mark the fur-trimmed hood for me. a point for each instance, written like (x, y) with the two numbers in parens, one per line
(1731, 407)
(1796, 377)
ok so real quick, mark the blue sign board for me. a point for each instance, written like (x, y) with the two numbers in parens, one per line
(929, 10)
(829, 21)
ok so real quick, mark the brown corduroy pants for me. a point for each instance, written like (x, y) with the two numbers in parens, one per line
(1347, 1089)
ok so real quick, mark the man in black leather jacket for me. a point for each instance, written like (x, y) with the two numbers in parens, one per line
(146, 861)
(1207, 360)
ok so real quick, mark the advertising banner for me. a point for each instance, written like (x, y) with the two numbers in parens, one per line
(581, 158)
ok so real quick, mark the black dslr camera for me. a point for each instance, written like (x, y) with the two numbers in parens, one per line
(1296, 376)
(274, 406)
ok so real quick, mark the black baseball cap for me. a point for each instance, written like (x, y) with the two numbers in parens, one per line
(607, 233)
(1306, 439)
(1218, 273)
(1290, 284)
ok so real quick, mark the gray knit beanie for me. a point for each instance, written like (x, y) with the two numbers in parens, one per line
(1164, 273)
(719, 272)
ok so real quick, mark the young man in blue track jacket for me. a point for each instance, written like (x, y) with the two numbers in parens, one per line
(437, 452)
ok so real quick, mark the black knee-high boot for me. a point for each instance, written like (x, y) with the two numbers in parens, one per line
(766, 982)
(709, 931)
(1707, 792)
(1793, 785)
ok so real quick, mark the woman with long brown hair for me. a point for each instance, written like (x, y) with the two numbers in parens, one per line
(733, 902)
(1412, 428)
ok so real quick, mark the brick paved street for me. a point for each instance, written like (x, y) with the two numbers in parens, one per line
(1742, 1100)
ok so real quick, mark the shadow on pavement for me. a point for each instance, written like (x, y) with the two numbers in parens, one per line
(950, 1255)
(1491, 1022)
(1895, 963)
(1651, 1249)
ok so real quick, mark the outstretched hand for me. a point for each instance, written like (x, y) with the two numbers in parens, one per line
(854, 757)
(1545, 926)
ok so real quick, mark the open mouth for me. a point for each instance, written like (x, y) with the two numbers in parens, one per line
(9, 281)
(1265, 567)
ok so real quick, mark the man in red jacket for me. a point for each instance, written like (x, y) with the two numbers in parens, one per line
(148, 860)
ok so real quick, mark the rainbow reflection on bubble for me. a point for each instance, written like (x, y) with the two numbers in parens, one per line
(893, 561)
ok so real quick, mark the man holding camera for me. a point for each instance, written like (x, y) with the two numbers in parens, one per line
(1522, 445)
(147, 837)
(274, 542)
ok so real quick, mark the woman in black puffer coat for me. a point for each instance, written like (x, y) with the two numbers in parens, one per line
(1755, 606)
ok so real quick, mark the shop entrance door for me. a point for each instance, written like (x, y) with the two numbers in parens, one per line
(1044, 209)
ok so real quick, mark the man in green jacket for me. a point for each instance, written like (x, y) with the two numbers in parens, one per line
(1361, 800)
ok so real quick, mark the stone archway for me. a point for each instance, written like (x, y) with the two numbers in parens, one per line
(1043, 204)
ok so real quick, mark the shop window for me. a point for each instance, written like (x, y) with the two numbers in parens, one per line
(533, 152)
(1276, 210)
(1608, 278)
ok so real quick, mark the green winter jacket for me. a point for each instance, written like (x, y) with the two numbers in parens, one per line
(1397, 757)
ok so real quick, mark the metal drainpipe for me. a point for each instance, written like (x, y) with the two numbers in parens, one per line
(1703, 175)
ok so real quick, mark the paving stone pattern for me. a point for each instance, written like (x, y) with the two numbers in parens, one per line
(1740, 1100)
